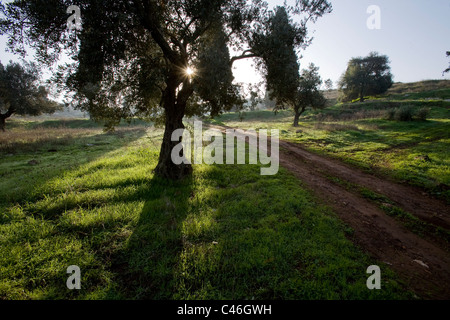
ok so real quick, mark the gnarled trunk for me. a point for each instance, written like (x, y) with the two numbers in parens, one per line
(166, 168)
(174, 106)
(298, 112)
(3, 118)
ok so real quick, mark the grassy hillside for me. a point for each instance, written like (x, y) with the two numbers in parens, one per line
(434, 89)
(426, 87)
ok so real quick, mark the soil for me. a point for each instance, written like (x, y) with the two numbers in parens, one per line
(422, 263)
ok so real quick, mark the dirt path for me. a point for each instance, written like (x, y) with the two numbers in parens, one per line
(423, 264)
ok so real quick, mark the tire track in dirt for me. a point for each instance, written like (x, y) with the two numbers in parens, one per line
(384, 238)
(423, 265)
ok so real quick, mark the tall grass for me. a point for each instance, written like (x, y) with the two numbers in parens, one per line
(26, 140)
(42, 137)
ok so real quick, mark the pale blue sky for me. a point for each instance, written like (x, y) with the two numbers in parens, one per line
(415, 34)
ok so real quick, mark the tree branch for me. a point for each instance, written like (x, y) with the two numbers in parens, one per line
(153, 27)
(244, 55)
(8, 113)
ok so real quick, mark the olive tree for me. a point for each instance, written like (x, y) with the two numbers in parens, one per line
(154, 59)
(22, 93)
(370, 75)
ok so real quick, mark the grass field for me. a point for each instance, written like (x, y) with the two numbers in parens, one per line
(73, 195)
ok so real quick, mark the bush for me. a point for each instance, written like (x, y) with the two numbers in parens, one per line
(407, 113)
(390, 114)
(422, 114)
(404, 113)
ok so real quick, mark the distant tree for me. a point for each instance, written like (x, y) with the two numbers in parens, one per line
(279, 59)
(156, 59)
(448, 69)
(366, 76)
(328, 84)
(268, 102)
(254, 100)
(254, 92)
(22, 94)
(284, 83)
(308, 94)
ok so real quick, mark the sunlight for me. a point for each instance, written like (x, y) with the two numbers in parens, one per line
(190, 71)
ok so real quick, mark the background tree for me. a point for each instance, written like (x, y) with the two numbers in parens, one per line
(22, 94)
(448, 69)
(254, 96)
(279, 60)
(267, 102)
(328, 84)
(159, 60)
(366, 76)
(281, 67)
(308, 94)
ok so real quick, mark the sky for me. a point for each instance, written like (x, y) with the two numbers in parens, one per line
(414, 34)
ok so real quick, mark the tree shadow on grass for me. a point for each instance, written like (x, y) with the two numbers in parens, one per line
(145, 268)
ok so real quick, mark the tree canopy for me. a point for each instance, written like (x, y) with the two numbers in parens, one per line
(22, 93)
(370, 75)
(280, 64)
(308, 93)
(131, 58)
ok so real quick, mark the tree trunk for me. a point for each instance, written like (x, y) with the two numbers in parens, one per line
(298, 113)
(296, 118)
(174, 107)
(166, 168)
(2, 123)
(3, 118)
(361, 98)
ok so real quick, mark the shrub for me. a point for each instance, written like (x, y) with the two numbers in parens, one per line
(390, 114)
(422, 114)
(404, 113)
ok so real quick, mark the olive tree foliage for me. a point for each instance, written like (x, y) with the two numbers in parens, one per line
(370, 75)
(130, 58)
(280, 64)
(308, 94)
(22, 93)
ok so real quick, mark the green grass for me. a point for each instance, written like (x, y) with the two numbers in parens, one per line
(225, 233)
(417, 152)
